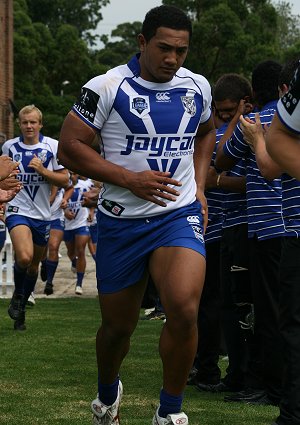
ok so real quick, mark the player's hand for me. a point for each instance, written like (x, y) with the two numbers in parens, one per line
(37, 165)
(11, 182)
(7, 166)
(8, 195)
(154, 185)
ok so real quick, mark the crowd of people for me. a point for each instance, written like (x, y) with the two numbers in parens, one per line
(200, 200)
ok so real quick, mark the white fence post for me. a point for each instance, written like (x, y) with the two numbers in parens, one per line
(6, 271)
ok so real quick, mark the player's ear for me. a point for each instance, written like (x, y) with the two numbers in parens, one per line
(141, 42)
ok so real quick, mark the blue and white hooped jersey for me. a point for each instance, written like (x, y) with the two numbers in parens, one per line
(75, 205)
(33, 199)
(288, 107)
(146, 125)
(264, 199)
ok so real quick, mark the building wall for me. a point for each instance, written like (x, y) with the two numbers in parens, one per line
(6, 69)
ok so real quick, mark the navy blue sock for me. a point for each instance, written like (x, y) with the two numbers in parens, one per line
(43, 262)
(51, 269)
(108, 393)
(74, 261)
(29, 284)
(169, 404)
(94, 257)
(19, 276)
(79, 278)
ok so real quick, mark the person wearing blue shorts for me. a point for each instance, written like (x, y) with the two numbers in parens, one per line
(28, 213)
(157, 137)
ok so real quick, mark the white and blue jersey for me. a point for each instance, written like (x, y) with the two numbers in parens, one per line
(75, 205)
(33, 200)
(146, 125)
(264, 201)
(288, 107)
(57, 213)
(234, 204)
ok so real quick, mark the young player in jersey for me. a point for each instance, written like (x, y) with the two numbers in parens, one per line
(28, 214)
(76, 234)
(157, 135)
(58, 202)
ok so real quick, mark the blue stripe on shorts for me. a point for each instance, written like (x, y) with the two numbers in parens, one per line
(124, 245)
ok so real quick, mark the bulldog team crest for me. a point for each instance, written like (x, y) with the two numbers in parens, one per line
(139, 105)
(189, 104)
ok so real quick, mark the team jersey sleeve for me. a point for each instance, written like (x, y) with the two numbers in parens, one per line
(207, 99)
(95, 101)
(236, 147)
(288, 107)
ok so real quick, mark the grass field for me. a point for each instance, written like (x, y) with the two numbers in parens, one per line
(48, 373)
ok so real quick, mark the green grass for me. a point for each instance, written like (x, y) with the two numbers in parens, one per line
(48, 373)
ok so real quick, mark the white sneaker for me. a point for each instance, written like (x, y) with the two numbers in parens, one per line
(172, 419)
(107, 415)
(78, 290)
(31, 300)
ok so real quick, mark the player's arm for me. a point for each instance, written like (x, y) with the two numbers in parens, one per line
(76, 153)
(59, 178)
(254, 135)
(205, 141)
(283, 146)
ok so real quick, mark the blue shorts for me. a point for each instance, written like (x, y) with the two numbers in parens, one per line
(2, 239)
(40, 229)
(125, 245)
(69, 235)
(94, 232)
(57, 224)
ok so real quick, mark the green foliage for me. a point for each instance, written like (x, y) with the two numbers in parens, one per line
(53, 58)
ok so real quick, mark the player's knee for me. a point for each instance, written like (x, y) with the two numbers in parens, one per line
(24, 260)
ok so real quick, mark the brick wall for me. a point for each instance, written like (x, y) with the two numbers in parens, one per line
(6, 69)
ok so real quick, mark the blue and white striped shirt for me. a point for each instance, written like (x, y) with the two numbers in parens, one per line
(291, 205)
(264, 201)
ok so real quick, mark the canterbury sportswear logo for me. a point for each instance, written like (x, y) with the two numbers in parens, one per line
(163, 97)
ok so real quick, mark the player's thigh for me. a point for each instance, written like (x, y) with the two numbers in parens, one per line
(120, 310)
(21, 238)
(80, 243)
(178, 274)
(56, 236)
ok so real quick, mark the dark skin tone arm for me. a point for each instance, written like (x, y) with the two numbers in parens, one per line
(75, 153)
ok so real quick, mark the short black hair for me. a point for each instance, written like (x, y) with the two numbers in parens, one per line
(265, 78)
(165, 16)
(287, 73)
(233, 87)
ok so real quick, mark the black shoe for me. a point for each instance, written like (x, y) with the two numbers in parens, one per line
(19, 324)
(264, 400)
(192, 378)
(15, 306)
(43, 272)
(225, 388)
(200, 386)
(245, 395)
(48, 289)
